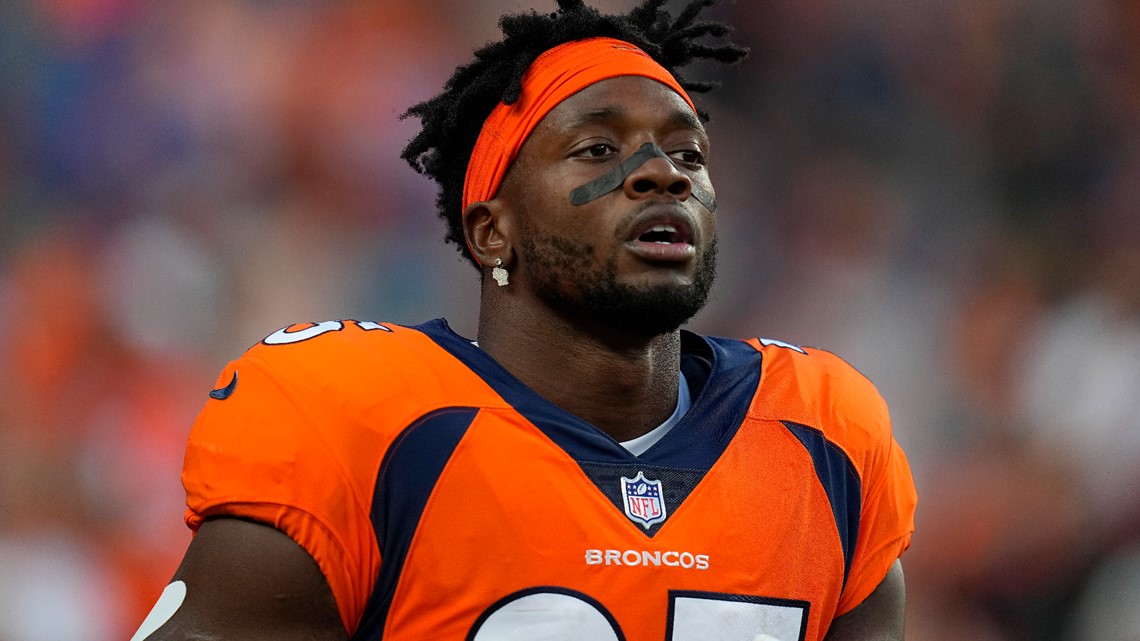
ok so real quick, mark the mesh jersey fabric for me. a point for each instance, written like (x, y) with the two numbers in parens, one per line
(441, 497)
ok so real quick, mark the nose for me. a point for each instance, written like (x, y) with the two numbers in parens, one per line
(658, 176)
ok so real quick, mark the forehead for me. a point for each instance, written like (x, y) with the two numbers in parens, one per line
(626, 101)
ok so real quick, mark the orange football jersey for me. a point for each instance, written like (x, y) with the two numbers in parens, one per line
(443, 499)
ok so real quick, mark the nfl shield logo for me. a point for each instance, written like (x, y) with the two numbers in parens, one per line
(644, 502)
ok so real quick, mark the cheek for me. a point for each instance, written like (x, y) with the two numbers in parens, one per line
(708, 221)
(538, 199)
(707, 218)
(547, 213)
(558, 254)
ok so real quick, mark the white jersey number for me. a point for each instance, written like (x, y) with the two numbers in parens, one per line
(557, 614)
(296, 334)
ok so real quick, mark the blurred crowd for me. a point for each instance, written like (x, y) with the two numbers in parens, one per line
(944, 192)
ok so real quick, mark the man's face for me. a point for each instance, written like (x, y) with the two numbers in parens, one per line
(641, 258)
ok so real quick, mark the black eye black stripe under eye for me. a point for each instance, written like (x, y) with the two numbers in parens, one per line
(603, 185)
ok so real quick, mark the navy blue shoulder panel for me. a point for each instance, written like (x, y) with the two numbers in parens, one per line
(718, 409)
(841, 482)
(695, 443)
(580, 439)
(407, 477)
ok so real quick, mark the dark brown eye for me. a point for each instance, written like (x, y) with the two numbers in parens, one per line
(598, 150)
(595, 150)
(691, 157)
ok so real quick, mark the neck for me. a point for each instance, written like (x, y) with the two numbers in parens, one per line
(623, 384)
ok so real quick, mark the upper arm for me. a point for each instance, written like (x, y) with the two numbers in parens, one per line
(879, 617)
(250, 581)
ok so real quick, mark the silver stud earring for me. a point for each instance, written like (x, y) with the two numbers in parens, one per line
(499, 273)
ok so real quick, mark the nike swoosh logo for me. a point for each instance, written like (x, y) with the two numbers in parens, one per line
(222, 393)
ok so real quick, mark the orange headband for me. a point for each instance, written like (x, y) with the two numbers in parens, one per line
(553, 77)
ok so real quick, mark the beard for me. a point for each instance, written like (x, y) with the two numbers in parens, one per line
(566, 278)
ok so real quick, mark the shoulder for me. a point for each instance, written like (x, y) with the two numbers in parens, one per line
(342, 360)
(310, 383)
(341, 347)
(795, 377)
(341, 375)
(829, 381)
(314, 407)
(819, 390)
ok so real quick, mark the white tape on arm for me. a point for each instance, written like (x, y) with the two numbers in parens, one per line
(171, 599)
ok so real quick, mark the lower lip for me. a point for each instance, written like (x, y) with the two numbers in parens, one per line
(663, 252)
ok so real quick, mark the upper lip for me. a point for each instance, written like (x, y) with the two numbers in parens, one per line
(671, 219)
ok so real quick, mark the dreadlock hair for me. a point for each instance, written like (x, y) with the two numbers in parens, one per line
(452, 120)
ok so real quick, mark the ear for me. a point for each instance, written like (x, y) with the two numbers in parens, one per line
(488, 228)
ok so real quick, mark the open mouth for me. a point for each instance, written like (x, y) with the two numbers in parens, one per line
(662, 234)
(664, 240)
(665, 230)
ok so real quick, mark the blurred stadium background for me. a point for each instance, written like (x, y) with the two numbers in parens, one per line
(946, 193)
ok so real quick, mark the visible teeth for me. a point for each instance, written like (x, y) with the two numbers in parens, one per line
(661, 234)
